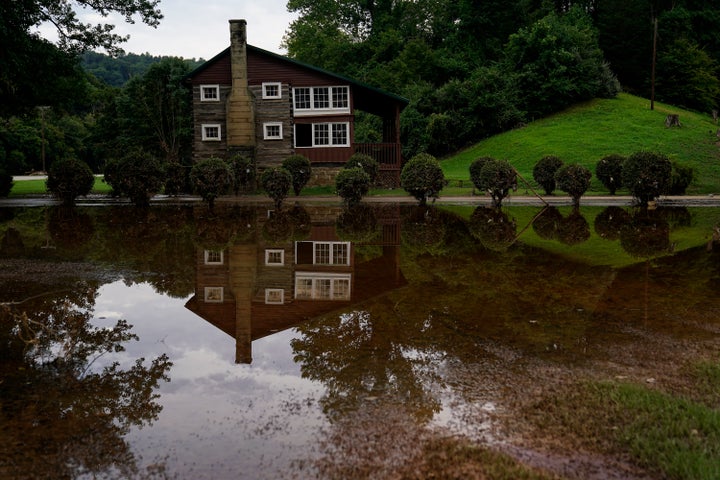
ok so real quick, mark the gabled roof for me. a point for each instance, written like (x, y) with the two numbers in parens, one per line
(373, 95)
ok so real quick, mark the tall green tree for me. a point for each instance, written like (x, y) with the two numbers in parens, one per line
(34, 71)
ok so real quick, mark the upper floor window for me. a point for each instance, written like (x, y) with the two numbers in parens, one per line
(271, 90)
(313, 100)
(209, 93)
(211, 132)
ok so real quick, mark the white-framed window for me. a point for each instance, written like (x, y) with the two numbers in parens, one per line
(214, 294)
(209, 93)
(322, 253)
(211, 132)
(274, 257)
(271, 90)
(322, 286)
(313, 100)
(274, 296)
(272, 131)
(322, 134)
(214, 257)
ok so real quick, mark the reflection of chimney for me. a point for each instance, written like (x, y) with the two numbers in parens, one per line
(243, 270)
(240, 118)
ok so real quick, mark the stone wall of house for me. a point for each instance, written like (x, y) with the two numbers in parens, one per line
(272, 152)
(209, 113)
(323, 176)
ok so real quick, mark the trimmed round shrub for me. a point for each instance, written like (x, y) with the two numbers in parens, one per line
(544, 172)
(211, 178)
(138, 175)
(609, 171)
(68, 179)
(422, 177)
(6, 183)
(177, 179)
(367, 163)
(574, 180)
(300, 170)
(352, 184)
(680, 179)
(647, 175)
(276, 182)
(475, 169)
(243, 169)
(498, 177)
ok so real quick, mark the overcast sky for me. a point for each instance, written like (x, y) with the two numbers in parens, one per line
(195, 29)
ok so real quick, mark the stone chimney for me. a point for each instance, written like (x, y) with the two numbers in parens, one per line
(240, 118)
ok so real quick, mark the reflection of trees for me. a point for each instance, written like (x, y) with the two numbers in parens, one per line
(301, 222)
(357, 223)
(423, 230)
(610, 222)
(646, 235)
(495, 230)
(61, 414)
(573, 229)
(360, 358)
(70, 228)
(547, 222)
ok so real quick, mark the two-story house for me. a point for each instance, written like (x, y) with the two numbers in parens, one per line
(251, 101)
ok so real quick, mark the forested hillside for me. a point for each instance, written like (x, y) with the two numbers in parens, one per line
(116, 71)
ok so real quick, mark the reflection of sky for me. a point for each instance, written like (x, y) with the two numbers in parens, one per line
(218, 418)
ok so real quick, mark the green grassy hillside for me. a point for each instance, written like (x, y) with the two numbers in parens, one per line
(587, 132)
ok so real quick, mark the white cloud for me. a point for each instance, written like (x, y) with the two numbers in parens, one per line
(192, 29)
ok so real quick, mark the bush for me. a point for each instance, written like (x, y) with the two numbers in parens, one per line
(6, 183)
(680, 179)
(138, 176)
(647, 175)
(367, 163)
(497, 177)
(544, 172)
(574, 180)
(475, 169)
(211, 178)
(422, 177)
(177, 179)
(69, 178)
(276, 182)
(352, 184)
(300, 170)
(609, 171)
(243, 170)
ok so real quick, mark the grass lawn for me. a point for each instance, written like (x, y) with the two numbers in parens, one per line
(37, 187)
(587, 132)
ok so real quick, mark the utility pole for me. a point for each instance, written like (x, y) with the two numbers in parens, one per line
(654, 57)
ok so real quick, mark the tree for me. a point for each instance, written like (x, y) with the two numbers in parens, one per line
(138, 175)
(497, 177)
(243, 170)
(422, 177)
(680, 179)
(557, 62)
(573, 179)
(647, 175)
(211, 178)
(367, 163)
(299, 168)
(544, 172)
(609, 171)
(6, 183)
(276, 182)
(154, 110)
(352, 184)
(69, 178)
(34, 71)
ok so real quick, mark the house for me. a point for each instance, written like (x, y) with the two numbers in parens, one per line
(253, 102)
(261, 286)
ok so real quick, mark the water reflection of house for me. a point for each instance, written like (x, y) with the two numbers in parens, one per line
(256, 289)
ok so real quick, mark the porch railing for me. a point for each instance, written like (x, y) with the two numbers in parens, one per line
(388, 155)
